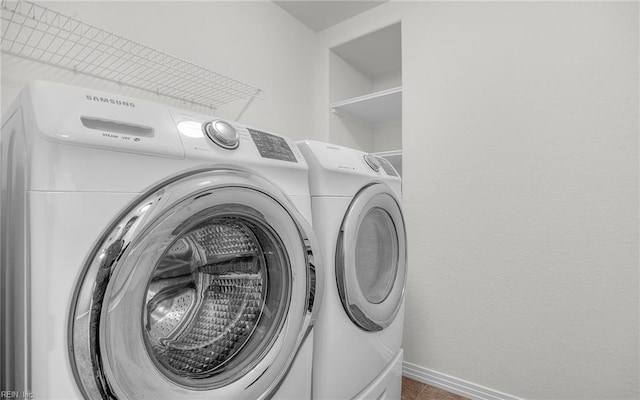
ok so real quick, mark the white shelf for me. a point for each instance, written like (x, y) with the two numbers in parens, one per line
(375, 108)
(36, 33)
(390, 153)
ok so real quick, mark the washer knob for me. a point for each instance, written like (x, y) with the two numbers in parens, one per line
(222, 133)
(372, 161)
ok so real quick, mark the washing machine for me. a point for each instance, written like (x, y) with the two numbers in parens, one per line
(359, 222)
(152, 253)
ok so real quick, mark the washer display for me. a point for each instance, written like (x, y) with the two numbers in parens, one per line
(271, 146)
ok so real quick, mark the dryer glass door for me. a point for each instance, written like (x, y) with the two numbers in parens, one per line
(371, 258)
(204, 288)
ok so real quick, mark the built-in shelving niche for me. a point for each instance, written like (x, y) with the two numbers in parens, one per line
(365, 92)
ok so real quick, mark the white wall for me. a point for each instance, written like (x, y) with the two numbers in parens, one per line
(520, 136)
(255, 42)
(387, 136)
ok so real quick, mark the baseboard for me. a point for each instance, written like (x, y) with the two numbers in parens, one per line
(451, 384)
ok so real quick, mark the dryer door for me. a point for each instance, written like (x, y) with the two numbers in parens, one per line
(371, 258)
(203, 288)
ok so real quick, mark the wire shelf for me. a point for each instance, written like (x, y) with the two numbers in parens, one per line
(36, 33)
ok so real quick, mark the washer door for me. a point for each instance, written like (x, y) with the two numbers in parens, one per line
(203, 288)
(371, 258)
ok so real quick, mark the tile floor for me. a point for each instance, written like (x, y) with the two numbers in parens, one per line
(414, 390)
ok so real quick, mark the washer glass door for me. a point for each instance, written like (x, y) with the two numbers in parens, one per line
(203, 288)
(218, 290)
(371, 258)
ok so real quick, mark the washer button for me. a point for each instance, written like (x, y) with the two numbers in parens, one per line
(222, 133)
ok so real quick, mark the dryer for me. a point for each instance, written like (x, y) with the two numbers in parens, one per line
(151, 252)
(359, 222)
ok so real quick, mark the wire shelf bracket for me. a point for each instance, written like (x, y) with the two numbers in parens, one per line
(36, 33)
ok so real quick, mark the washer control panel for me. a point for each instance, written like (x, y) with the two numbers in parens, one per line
(272, 146)
(222, 133)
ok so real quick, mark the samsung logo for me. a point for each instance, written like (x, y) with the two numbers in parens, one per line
(110, 101)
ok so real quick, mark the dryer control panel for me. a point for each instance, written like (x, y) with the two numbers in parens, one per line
(342, 171)
(347, 160)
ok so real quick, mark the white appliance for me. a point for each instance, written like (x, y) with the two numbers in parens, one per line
(359, 222)
(394, 157)
(149, 252)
